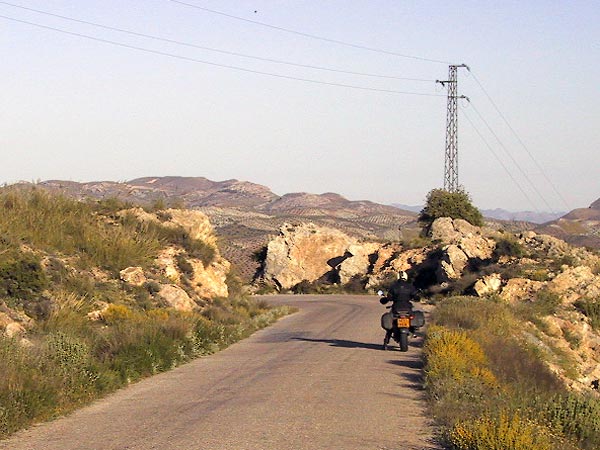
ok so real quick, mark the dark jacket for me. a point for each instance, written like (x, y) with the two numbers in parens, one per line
(401, 293)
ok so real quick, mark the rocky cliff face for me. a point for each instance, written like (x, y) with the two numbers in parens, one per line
(309, 253)
(204, 276)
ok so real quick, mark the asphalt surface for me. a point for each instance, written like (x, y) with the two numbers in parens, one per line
(317, 379)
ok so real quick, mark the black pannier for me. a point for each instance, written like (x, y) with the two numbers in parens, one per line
(418, 319)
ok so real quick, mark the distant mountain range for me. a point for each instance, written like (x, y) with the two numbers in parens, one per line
(501, 214)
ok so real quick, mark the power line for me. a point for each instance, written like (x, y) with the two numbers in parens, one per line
(226, 52)
(512, 158)
(312, 36)
(242, 69)
(556, 191)
(499, 160)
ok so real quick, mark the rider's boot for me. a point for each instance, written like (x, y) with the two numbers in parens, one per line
(386, 340)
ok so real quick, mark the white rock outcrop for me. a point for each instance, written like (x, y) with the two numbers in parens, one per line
(133, 275)
(304, 252)
(176, 297)
(488, 285)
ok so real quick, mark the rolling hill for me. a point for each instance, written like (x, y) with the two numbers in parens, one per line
(579, 227)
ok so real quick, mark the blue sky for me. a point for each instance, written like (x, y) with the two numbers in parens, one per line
(84, 110)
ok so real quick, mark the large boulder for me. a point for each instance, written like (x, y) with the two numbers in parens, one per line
(210, 281)
(304, 252)
(448, 231)
(488, 285)
(194, 222)
(358, 260)
(464, 242)
(442, 230)
(391, 259)
(452, 263)
(133, 275)
(576, 282)
(14, 329)
(476, 246)
(10, 327)
(520, 289)
(176, 297)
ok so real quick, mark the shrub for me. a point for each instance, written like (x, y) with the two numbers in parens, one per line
(110, 206)
(508, 247)
(68, 359)
(539, 275)
(22, 277)
(573, 415)
(200, 250)
(451, 358)
(591, 308)
(152, 287)
(184, 265)
(546, 302)
(506, 431)
(457, 205)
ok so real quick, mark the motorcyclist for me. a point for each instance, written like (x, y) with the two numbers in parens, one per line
(401, 293)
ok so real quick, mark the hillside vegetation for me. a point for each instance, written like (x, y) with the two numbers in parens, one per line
(491, 388)
(73, 329)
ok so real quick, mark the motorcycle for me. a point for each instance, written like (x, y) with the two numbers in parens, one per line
(400, 325)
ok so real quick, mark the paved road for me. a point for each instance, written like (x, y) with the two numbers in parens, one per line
(315, 380)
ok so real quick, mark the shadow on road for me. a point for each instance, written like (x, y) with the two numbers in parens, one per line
(341, 343)
(409, 363)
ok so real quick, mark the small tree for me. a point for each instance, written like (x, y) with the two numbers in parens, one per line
(456, 205)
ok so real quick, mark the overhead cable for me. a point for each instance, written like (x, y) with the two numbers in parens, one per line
(500, 160)
(512, 158)
(311, 36)
(242, 69)
(201, 47)
(543, 172)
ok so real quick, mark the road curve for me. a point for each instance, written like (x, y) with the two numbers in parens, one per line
(315, 380)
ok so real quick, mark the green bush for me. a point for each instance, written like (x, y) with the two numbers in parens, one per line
(457, 205)
(546, 302)
(591, 308)
(184, 265)
(508, 247)
(21, 276)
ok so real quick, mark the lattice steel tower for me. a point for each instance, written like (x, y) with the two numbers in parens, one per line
(451, 160)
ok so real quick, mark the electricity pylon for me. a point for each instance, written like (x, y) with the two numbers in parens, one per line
(451, 160)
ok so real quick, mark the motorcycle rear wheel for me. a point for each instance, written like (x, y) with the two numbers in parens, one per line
(403, 342)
